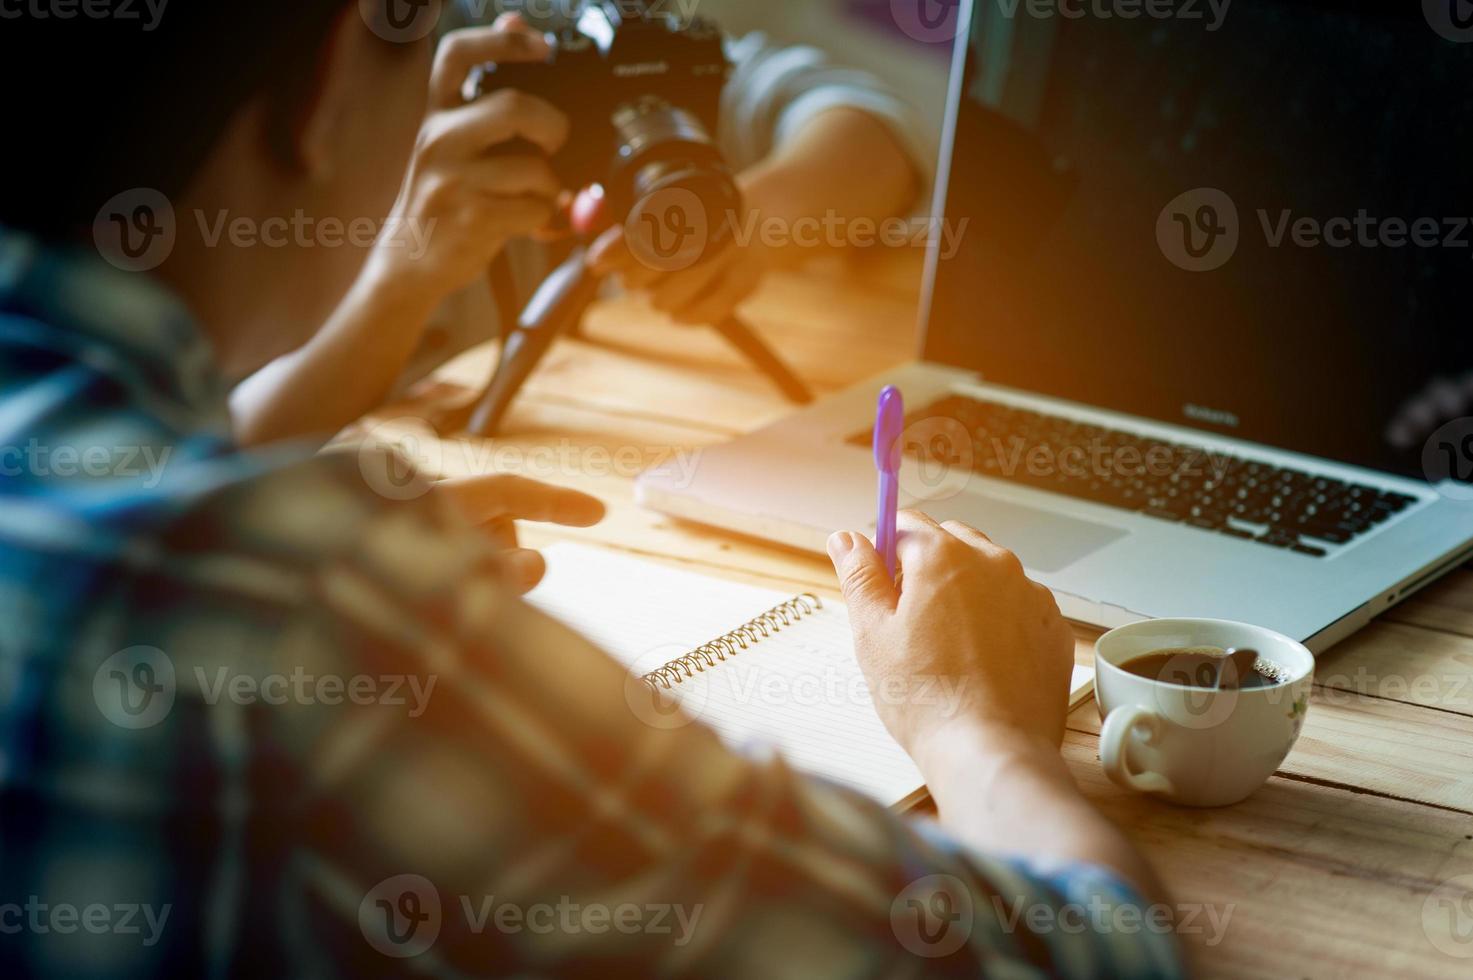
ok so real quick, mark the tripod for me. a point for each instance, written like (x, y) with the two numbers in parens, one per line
(557, 307)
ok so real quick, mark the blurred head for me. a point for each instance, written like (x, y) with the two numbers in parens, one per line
(266, 125)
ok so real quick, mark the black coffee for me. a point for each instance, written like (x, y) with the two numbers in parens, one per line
(1199, 667)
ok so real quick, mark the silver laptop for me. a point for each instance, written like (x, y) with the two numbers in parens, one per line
(1191, 357)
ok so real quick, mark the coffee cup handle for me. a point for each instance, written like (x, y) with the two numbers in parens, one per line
(1125, 723)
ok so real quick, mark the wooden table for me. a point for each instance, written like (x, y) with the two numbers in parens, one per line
(1333, 869)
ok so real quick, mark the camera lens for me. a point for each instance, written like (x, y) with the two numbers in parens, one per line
(671, 181)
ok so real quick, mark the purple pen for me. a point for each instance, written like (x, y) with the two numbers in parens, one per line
(889, 422)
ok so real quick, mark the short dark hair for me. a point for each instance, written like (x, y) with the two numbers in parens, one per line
(103, 105)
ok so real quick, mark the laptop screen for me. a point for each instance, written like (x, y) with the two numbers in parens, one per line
(1246, 216)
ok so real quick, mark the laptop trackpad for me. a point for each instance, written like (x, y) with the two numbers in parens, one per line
(1045, 542)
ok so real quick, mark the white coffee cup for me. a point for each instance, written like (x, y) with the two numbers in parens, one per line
(1192, 745)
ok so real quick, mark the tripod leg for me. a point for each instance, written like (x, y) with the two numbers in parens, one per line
(559, 303)
(742, 337)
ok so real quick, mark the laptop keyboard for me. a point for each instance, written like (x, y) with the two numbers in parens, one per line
(1215, 492)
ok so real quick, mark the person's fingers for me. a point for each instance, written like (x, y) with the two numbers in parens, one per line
(738, 284)
(919, 542)
(502, 533)
(867, 586)
(609, 254)
(980, 542)
(514, 176)
(637, 276)
(483, 499)
(521, 569)
(915, 520)
(520, 215)
(1047, 602)
(915, 531)
(678, 290)
(968, 534)
(476, 127)
(512, 21)
(463, 51)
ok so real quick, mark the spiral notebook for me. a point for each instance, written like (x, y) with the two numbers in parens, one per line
(760, 667)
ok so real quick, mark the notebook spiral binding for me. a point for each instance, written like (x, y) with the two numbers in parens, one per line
(730, 644)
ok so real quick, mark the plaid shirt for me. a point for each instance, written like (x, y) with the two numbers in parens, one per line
(256, 719)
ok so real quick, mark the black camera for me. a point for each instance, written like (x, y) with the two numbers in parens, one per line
(643, 92)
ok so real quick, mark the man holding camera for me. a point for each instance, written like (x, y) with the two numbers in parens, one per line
(348, 835)
(792, 125)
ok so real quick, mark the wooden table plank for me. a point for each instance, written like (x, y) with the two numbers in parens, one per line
(1320, 881)
(1445, 605)
(1395, 661)
(1389, 748)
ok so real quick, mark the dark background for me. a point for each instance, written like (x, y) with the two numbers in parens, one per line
(1321, 109)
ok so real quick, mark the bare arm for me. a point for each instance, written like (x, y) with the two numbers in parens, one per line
(966, 613)
(468, 206)
(813, 175)
(343, 373)
(998, 790)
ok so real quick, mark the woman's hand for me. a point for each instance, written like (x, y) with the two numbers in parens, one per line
(496, 503)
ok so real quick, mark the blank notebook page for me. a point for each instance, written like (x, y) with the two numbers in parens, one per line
(798, 690)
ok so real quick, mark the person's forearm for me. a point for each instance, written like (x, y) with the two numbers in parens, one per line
(1003, 791)
(814, 174)
(343, 373)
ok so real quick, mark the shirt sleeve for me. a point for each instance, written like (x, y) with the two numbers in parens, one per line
(519, 806)
(775, 91)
